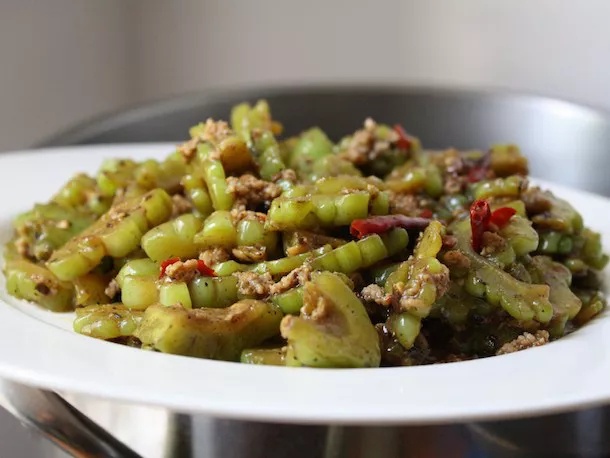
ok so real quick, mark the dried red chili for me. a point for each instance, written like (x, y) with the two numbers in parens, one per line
(481, 217)
(204, 270)
(165, 264)
(404, 141)
(380, 224)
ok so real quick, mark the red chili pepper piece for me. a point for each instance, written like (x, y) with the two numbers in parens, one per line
(380, 224)
(165, 264)
(501, 216)
(204, 270)
(404, 141)
(480, 214)
(426, 213)
(477, 174)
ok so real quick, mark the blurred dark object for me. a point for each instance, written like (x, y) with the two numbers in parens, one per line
(565, 142)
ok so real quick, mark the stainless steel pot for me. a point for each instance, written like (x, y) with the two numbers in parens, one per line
(566, 143)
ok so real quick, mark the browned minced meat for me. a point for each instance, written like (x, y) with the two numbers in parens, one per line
(405, 299)
(182, 271)
(253, 284)
(525, 340)
(247, 253)
(112, 289)
(214, 256)
(492, 243)
(364, 146)
(536, 201)
(453, 184)
(294, 278)
(286, 174)
(449, 241)
(457, 259)
(252, 191)
(405, 204)
(316, 307)
(240, 214)
(213, 131)
(180, 205)
(375, 293)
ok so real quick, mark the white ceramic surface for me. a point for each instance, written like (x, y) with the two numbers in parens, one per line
(38, 347)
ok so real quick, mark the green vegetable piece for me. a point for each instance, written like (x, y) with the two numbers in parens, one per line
(26, 280)
(289, 302)
(520, 235)
(175, 293)
(216, 292)
(269, 158)
(560, 216)
(500, 187)
(215, 178)
(90, 289)
(566, 304)
(138, 292)
(221, 333)
(405, 327)
(333, 329)
(174, 238)
(108, 321)
(138, 267)
(218, 231)
(332, 165)
(311, 146)
(284, 265)
(521, 300)
(507, 160)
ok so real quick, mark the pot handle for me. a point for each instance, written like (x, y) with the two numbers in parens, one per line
(58, 421)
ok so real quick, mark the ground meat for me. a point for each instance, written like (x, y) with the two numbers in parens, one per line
(449, 241)
(251, 191)
(525, 340)
(112, 289)
(453, 162)
(375, 293)
(492, 243)
(365, 146)
(214, 256)
(297, 277)
(188, 149)
(453, 184)
(180, 205)
(247, 253)
(406, 298)
(241, 214)
(405, 204)
(182, 271)
(213, 132)
(286, 174)
(253, 284)
(456, 259)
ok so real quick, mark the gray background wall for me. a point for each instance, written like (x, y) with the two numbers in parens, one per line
(65, 60)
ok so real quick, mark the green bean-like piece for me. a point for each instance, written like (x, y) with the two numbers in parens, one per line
(289, 302)
(380, 204)
(35, 283)
(411, 181)
(592, 251)
(174, 238)
(175, 293)
(265, 356)
(381, 273)
(218, 230)
(252, 232)
(431, 241)
(566, 304)
(213, 292)
(90, 289)
(290, 214)
(405, 327)
(500, 187)
(221, 333)
(341, 336)
(78, 192)
(312, 145)
(139, 291)
(215, 178)
(298, 242)
(117, 233)
(593, 303)
(507, 160)
(226, 268)
(197, 193)
(336, 184)
(549, 242)
(108, 321)
(521, 300)
(340, 210)
(434, 181)
(245, 118)
(332, 165)
(395, 240)
(520, 235)
(269, 159)
(140, 267)
(284, 265)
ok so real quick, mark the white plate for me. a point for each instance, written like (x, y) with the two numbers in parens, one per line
(39, 347)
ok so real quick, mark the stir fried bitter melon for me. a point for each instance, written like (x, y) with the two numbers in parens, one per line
(245, 246)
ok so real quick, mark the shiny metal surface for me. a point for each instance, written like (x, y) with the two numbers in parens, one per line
(566, 143)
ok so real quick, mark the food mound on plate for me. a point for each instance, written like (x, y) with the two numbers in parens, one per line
(243, 245)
